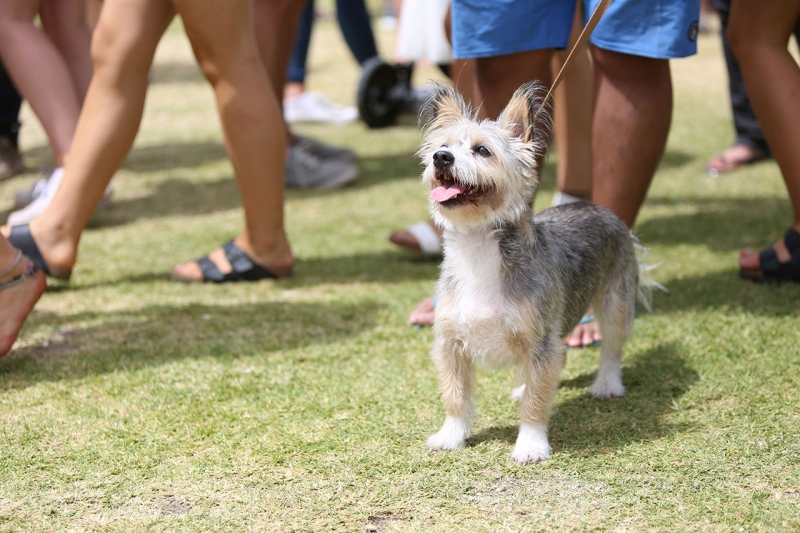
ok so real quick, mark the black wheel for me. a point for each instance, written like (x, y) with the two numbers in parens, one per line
(382, 92)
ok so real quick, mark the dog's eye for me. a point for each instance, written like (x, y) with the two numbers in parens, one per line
(482, 151)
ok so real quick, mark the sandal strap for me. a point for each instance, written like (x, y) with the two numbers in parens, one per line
(792, 240)
(32, 269)
(210, 270)
(773, 268)
(21, 238)
(13, 265)
(768, 260)
(243, 265)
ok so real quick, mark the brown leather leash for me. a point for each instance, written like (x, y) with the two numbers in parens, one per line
(577, 47)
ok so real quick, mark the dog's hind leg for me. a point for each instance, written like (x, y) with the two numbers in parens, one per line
(456, 378)
(613, 310)
(541, 372)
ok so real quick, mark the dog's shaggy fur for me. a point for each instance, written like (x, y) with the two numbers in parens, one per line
(512, 285)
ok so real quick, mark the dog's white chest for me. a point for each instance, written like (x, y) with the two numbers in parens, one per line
(479, 305)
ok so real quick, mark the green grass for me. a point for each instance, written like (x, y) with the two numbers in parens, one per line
(134, 403)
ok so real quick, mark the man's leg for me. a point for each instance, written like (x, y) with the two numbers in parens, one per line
(633, 111)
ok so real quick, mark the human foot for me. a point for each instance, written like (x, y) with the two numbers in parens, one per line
(733, 158)
(424, 314)
(781, 262)
(236, 261)
(54, 256)
(586, 333)
(17, 298)
(422, 237)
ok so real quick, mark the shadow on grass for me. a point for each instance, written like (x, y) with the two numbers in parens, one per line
(176, 196)
(587, 426)
(726, 290)
(383, 267)
(157, 335)
(721, 224)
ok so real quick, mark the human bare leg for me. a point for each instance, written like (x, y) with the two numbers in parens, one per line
(633, 111)
(759, 36)
(39, 72)
(223, 40)
(124, 44)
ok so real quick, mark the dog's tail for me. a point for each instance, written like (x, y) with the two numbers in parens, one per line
(644, 292)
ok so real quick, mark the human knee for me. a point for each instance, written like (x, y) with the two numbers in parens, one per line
(114, 53)
(628, 67)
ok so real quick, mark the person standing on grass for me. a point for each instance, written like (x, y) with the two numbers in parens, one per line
(758, 33)
(631, 48)
(222, 36)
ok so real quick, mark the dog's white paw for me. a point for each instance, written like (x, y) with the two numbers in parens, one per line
(532, 445)
(453, 435)
(516, 394)
(607, 387)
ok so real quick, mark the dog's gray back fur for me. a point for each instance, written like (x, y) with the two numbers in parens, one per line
(563, 256)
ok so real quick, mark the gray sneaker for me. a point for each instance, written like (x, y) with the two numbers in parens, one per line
(307, 169)
(10, 160)
(325, 151)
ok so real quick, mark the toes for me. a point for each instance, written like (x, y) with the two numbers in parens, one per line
(189, 272)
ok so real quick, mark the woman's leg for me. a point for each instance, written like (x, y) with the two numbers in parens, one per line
(759, 35)
(16, 299)
(65, 23)
(39, 72)
(223, 40)
(123, 47)
(356, 27)
(296, 73)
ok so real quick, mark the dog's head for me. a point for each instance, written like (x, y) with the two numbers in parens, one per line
(482, 173)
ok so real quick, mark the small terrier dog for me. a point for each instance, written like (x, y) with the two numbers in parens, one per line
(512, 285)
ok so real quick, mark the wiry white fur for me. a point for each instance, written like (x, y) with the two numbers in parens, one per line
(532, 445)
(454, 433)
(479, 306)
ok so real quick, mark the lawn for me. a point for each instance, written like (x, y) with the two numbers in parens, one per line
(131, 402)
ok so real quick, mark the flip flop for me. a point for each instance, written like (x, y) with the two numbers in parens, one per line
(585, 320)
(720, 164)
(244, 268)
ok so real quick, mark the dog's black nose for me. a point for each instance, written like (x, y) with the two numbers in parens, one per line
(443, 159)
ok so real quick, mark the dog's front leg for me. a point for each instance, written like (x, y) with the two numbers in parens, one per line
(541, 371)
(456, 377)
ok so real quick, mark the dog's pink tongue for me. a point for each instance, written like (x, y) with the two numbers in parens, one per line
(442, 193)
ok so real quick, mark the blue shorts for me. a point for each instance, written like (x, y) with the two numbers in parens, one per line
(661, 29)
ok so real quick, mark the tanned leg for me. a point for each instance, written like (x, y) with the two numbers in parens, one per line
(223, 40)
(759, 36)
(124, 43)
(633, 111)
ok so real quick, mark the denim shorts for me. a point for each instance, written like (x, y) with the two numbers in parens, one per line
(661, 29)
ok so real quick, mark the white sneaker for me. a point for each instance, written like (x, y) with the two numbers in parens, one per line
(316, 107)
(39, 204)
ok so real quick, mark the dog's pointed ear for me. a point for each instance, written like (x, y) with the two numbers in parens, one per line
(444, 107)
(525, 116)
